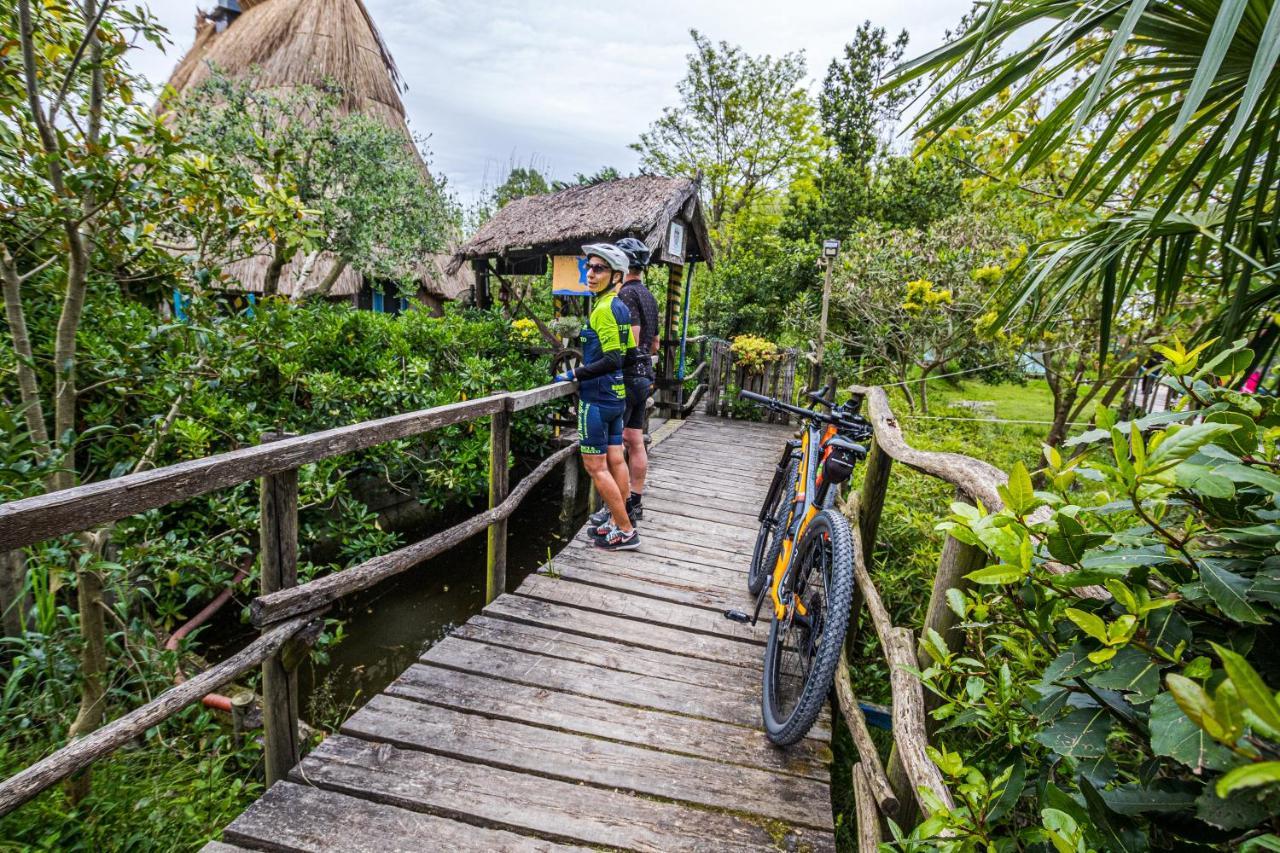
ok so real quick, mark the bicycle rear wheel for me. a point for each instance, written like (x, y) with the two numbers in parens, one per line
(772, 532)
(803, 651)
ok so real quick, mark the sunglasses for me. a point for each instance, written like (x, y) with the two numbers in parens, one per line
(598, 268)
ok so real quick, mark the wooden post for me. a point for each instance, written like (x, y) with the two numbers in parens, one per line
(868, 818)
(958, 559)
(875, 486)
(499, 481)
(569, 496)
(278, 531)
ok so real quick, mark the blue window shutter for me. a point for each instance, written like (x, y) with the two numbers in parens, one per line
(377, 300)
(179, 311)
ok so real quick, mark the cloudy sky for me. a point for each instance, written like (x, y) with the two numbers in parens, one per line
(502, 80)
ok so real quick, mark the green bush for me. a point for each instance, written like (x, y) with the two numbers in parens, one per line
(1113, 694)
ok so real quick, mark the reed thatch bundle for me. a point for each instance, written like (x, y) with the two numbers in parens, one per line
(560, 222)
(318, 43)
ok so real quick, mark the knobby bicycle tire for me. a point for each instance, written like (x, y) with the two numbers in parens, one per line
(828, 540)
(769, 542)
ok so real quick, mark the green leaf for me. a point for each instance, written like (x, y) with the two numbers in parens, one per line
(1174, 735)
(1012, 789)
(1264, 62)
(1229, 591)
(1244, 440)
(1180, 443)
(1103, 74)
(1266, 842)
(1136, 800)
(1080, 734)
(1220, 37)
(1132, 671)
(999, 574)
(1090, 623)
(1019, 495)
(1116, 832)
(1071, 541)
(1248, 776)
(1242, 809)
(1250, 687)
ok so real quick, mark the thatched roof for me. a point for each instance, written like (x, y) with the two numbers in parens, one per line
(300, 43)
(560, 222)
(249, 273)
(317, 43)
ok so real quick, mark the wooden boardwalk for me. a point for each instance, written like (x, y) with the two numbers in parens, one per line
(606, 703)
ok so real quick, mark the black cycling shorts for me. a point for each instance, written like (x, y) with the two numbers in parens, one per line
(637, 398)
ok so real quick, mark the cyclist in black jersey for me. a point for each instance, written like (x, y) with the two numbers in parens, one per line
(637, 372)
(605, 340)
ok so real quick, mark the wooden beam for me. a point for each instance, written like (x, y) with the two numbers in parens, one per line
(268, 609)
(79, 754)
(869, 835)
(877, 782)
(35, 519)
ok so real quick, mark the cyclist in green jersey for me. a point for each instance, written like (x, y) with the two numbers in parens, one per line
(605, 340)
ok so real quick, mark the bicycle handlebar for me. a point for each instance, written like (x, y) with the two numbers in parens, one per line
(799, 411)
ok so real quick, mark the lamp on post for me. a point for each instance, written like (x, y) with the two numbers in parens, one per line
(830, 248)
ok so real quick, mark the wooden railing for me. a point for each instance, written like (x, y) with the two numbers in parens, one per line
(286, 613)
(894, 792)
(726, 377)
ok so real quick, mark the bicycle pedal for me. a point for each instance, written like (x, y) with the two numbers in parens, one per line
(737, 616)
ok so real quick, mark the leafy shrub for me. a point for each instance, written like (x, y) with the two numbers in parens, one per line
(1114, 692)
(753, 353)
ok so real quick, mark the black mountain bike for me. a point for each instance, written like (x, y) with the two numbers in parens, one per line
(803, 564)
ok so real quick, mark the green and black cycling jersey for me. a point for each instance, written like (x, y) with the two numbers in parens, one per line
(605, 340)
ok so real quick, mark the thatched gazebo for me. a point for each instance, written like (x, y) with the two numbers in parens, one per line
(664, 213)
(292, 43)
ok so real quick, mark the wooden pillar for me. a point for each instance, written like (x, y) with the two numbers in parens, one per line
(875, 487)
(958, 559)
(278, 531)
(499, 482)
(14, 602)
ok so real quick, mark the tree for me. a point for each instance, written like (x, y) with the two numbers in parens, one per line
(520, 182)
(855, 116)
(745, 124)
(315, 180)
(1177, 107)
(75, 144)
(910, 301)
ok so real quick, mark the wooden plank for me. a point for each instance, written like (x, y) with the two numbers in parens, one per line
(550, 808)
(611, 627)
(658, 569)
(34, 519)
(641, 584)
(689, 619)
(521, 400)
(499, 485)
(540, 706)
(737, 703)
(553, 642)
(297, 817)
(575, 758)
(679, 501)
(666, 544)
(730, 549)
(222, 847)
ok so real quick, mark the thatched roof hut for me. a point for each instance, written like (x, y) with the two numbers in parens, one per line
(292, 43)
(559, 223)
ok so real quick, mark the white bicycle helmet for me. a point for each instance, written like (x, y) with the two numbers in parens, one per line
(615, 257)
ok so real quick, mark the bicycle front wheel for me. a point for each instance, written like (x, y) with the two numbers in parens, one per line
(772, 532)
(804, 648)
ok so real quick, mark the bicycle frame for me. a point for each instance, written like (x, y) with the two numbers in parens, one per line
(809, 492)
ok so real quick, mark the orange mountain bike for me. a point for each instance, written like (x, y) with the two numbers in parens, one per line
(803, 564)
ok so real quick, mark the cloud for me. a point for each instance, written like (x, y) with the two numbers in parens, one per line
(568, 83)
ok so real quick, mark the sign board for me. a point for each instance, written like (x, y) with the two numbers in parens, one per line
(569, 276)
(675, 240)
(830, 248)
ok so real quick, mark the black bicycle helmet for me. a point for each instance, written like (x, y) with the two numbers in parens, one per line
(637, 253)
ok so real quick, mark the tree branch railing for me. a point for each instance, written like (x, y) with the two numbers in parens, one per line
(895, 791)
(287, 614)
